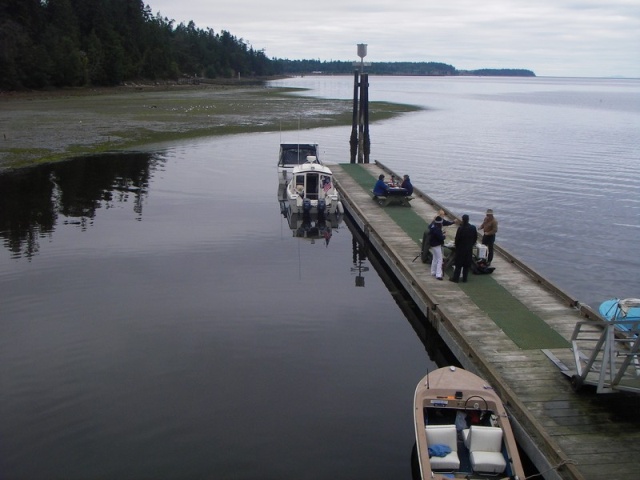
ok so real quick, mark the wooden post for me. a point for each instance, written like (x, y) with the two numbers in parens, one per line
(361, 119)
(354, 122)
(366, 142)
(360, 143)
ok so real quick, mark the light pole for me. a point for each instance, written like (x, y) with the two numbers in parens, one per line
(362, 52)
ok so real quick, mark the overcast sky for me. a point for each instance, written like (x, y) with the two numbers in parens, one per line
(573, 38)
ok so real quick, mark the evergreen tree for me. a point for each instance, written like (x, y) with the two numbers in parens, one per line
(106, 42)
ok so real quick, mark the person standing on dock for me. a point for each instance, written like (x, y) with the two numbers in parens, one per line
(466, 238)
(490, 228)
(436, 241)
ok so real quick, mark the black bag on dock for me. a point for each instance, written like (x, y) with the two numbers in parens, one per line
(479, 267)
(425, 253)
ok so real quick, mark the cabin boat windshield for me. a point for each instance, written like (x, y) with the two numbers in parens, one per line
(294, 154)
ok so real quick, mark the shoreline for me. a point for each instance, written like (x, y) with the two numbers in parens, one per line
(48, 126)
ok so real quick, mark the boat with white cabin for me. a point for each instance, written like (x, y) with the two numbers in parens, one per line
(294, 154)
(312, 190)
(462, 429)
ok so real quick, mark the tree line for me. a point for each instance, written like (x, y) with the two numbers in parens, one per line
(334, 67)
(70, 43)
(303, 67)
(62, 43)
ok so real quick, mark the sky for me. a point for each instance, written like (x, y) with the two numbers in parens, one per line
(554, 38)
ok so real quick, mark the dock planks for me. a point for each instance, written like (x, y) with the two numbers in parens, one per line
(567, 435)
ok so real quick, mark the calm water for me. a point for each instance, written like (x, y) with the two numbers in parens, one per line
(158, 322)
(557, 159)
(158, 318)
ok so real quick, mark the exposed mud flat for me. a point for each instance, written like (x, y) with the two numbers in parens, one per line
(38, 127)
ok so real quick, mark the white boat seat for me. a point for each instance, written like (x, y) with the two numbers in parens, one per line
(443, 435)
(485, 448)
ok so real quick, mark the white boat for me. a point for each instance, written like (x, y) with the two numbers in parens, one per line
(624, 313)
(462, 429)
(294, 154)
(312, 190)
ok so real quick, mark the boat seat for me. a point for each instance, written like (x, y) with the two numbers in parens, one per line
(443, 435)
(485, 448)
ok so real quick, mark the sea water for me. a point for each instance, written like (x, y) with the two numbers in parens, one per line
(159, 319)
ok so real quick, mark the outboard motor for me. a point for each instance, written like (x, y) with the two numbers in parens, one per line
(306, 205)
(322, 206)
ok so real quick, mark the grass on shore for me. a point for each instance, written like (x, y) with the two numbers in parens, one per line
(50, 126)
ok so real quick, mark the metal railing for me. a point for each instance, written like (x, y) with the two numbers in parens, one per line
(606, 355)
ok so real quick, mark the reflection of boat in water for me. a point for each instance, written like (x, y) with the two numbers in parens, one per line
(292, 155)
(313, 226)
(462, 429)
(308, 225)
(311, 189)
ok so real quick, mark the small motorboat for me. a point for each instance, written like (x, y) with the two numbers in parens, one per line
(624, 312)
(462, 429)
(312, 190)
(292, 155)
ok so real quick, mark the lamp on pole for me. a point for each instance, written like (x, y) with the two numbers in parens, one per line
(362, 52)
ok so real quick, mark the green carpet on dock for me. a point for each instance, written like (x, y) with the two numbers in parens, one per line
(526, 329)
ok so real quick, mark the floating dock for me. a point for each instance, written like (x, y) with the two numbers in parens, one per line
(513, 328)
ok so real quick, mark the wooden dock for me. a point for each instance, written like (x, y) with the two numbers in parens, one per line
(499, 327)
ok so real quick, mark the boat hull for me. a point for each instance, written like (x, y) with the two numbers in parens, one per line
(297, 205)
(625, 313)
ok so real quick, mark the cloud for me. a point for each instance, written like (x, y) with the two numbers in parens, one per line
(550, 37)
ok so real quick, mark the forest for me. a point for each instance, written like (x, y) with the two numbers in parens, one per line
(67, 43)
(72, 43)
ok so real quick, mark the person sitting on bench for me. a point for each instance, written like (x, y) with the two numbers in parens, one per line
(406, 184)
(380, 189)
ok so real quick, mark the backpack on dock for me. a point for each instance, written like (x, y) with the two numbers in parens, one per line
(480, 267)
(425, 253)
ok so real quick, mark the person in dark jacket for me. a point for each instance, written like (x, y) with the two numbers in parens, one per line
(436, 241)
(466, 238)
(406, 184)
(380, 188)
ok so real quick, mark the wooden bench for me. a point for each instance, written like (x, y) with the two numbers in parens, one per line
(385, 201)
